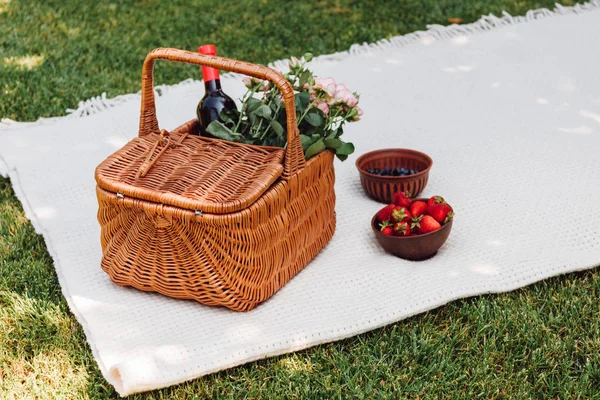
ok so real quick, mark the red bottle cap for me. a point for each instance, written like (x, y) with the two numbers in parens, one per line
(209, 73)
(209, 49)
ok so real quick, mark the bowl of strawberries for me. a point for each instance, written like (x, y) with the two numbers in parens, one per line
(413, 229)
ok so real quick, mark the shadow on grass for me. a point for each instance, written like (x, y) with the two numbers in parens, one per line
(43, 346)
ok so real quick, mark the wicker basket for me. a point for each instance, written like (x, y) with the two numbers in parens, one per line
(219, 222)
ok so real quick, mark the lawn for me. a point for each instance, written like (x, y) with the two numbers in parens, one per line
(539, 342)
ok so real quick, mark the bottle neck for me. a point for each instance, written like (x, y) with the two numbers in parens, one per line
(212, 85)
(210, 74)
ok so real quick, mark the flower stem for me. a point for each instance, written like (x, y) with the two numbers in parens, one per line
(244, 106)
(310, 105)
(275, 116)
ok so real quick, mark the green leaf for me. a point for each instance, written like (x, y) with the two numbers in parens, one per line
(306, 141)
(341, 157)
(273, 106)
(252, 104)
(315, 119)
(228, 116)
(304, 77)
(311, 131)
(218, 130)
(277, 128)
(333, 134)
(333, 143)
(345, 149)
(302, 99)
(315, 148)
(263, 111)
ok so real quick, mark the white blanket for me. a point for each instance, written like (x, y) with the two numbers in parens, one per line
(509, 110)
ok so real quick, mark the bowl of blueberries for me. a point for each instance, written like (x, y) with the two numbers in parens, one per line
(387, 171)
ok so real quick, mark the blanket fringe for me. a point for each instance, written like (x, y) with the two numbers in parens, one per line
(434, 32)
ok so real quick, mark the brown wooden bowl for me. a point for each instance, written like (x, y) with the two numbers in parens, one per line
(420, 247)
(382, 188)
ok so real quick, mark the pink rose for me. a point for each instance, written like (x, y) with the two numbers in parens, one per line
(322, 105)
(343, 95)
(341, 88)
(250, 82)
(326, 84)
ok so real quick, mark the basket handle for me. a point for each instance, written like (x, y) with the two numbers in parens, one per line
(294, 155)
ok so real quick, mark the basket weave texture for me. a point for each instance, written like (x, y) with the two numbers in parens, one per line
(219, 222)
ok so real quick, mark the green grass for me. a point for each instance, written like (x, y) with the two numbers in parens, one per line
(539, 342)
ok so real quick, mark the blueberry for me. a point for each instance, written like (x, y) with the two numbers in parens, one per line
(376, 171)
(397, 171)
(370, 171)
(410, 172)
(387, 171)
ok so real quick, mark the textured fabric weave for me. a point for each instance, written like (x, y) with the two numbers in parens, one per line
(510, 116)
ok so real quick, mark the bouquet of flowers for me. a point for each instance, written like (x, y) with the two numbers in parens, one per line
(323, 107)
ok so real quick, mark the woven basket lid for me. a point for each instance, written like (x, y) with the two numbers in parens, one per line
(192, 172)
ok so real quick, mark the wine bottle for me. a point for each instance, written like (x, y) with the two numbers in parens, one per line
(214, 100)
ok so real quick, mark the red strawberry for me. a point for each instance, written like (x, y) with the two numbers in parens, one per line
(415, 224)
(400, 214)
(440, 211)
(449, 216)
(418, 208)
(385, 213)
(387, 230)
(428, 224)
(402, 199)
(435, 199)
(401, 229)
(385, 223)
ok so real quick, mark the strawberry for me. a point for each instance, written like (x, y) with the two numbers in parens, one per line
(440, 211)
(385, 224)
(387, 230)
(385, 213)
(400, 214)
(401, 229)
(435, 199)
(428, 224)
(402, 199)
(449, 216)
(418, 208)
(415, 224)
